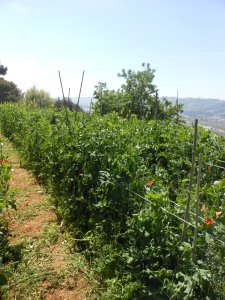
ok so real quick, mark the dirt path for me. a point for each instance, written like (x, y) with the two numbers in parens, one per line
(42, 262)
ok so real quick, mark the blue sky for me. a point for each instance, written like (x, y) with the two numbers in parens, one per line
(183, 40)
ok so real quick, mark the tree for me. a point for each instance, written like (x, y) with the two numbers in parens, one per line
(37, 97)
(9, 92)
(169, 111)
(139, 91)
(8, 89)
(107, 101)
(3, 70)
(138, 96)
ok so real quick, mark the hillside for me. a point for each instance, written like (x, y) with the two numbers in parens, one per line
(201, 108)
(210, 112)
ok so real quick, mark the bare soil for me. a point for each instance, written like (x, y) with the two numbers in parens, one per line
(47, 269)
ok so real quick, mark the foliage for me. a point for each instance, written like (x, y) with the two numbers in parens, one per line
(3, 70)
(38, 97)
(107, 101)
(9, 92)
(137, 96)
(121, 186)
(59, 104)
(6, 201)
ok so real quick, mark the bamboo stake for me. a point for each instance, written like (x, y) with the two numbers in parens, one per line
(64, 101)
(197, 206)
(186, 215)
(68, 95)
(78, 101)
(61, 87)
(156, 104)
(177, 106)
(90, 106)
(68, 100)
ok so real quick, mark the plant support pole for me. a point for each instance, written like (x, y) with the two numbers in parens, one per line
(186, 215)
(68, 100)
(64, 101)
(90, 106)
(197, 205)
(61, 87)
(156, 104)
(78, 101)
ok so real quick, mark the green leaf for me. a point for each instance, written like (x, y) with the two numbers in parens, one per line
(3, 280)
(130, 260)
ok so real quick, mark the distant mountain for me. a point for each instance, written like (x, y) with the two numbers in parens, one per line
(193, 107)
(201, 107)
(210, 112)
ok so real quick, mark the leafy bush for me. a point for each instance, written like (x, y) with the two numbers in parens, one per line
(9, 91)
(6, 201)
(36, 97)
(121, 186)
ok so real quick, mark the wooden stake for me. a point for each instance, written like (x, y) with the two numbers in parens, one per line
(197, 206)
(156, 104)
(80, 89)
(64, 101)
(78, 100)
(61, 87)
(90, 106)
(186, 215)
(68, 95)
(68, 101)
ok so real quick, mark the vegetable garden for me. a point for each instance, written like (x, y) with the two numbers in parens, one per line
(6, 201)
(121, 186)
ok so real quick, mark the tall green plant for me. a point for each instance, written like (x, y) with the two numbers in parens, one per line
(6, 201)
(121, 186)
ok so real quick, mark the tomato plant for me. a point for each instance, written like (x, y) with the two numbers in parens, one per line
(121, 185)
(6, 201)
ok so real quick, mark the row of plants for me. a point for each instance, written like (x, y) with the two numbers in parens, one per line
(121, 186)
(6, 201)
